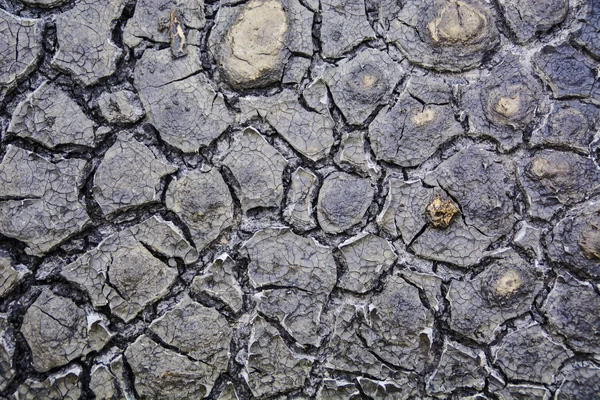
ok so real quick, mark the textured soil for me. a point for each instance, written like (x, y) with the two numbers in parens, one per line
(299, 199)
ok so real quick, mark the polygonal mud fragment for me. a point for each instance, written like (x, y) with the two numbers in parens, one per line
(203, 202)
(58, 331)
(397, 327)
(349, 350)
(124, 274)
(161, 373)
(299, 210)
(158, 68)
(366, 257)
(316, 96)
(179, 102)
(298, 274)
(352, 152)
(411, 130)
(580, 381)
(400, 388)
(297, 310)
(128, 176)
(10, 274)
(300, 35)
(528, 239)
(310, 133)
(505, 104)
(346, 350)
(106, 378)
(122, 107)
(343, 201)
(333, 389)
(20, 49)
(530, 354)
(567, 71)
(295, 70)
(344, 26)
(201, 333)
(523, 392)
(571, 123)
(39, 199)
(150, 16)
(587, 35)
(251, 42)
(527, 18)
(62, 385)
(84, 35)
(445, 35)
(431, 89)
(411, 262)
(553, 179)
(572, 310)
(428, 283)
(258, 168)
(218, 281)
(459, 366)
(7, 352)
(505, 290)
(272, 367)
(49, 116)
(575, 240)
(483, 184)
(163, 237)
(387, 11)
(361, 84)
(404, 210)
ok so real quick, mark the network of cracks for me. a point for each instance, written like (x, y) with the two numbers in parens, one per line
(299, 199)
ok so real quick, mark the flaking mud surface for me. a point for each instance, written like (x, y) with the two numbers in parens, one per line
(299, 199)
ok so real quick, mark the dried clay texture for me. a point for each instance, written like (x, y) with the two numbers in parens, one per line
(300, 199)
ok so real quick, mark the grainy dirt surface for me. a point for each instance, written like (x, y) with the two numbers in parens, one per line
(299, 199)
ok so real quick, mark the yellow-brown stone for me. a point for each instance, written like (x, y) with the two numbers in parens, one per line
(440, 212)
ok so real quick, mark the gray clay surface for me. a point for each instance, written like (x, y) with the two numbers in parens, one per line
(299, 199)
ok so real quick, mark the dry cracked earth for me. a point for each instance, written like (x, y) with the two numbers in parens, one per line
(299, 199)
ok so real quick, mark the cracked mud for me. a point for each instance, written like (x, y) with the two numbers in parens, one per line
(299, 199)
